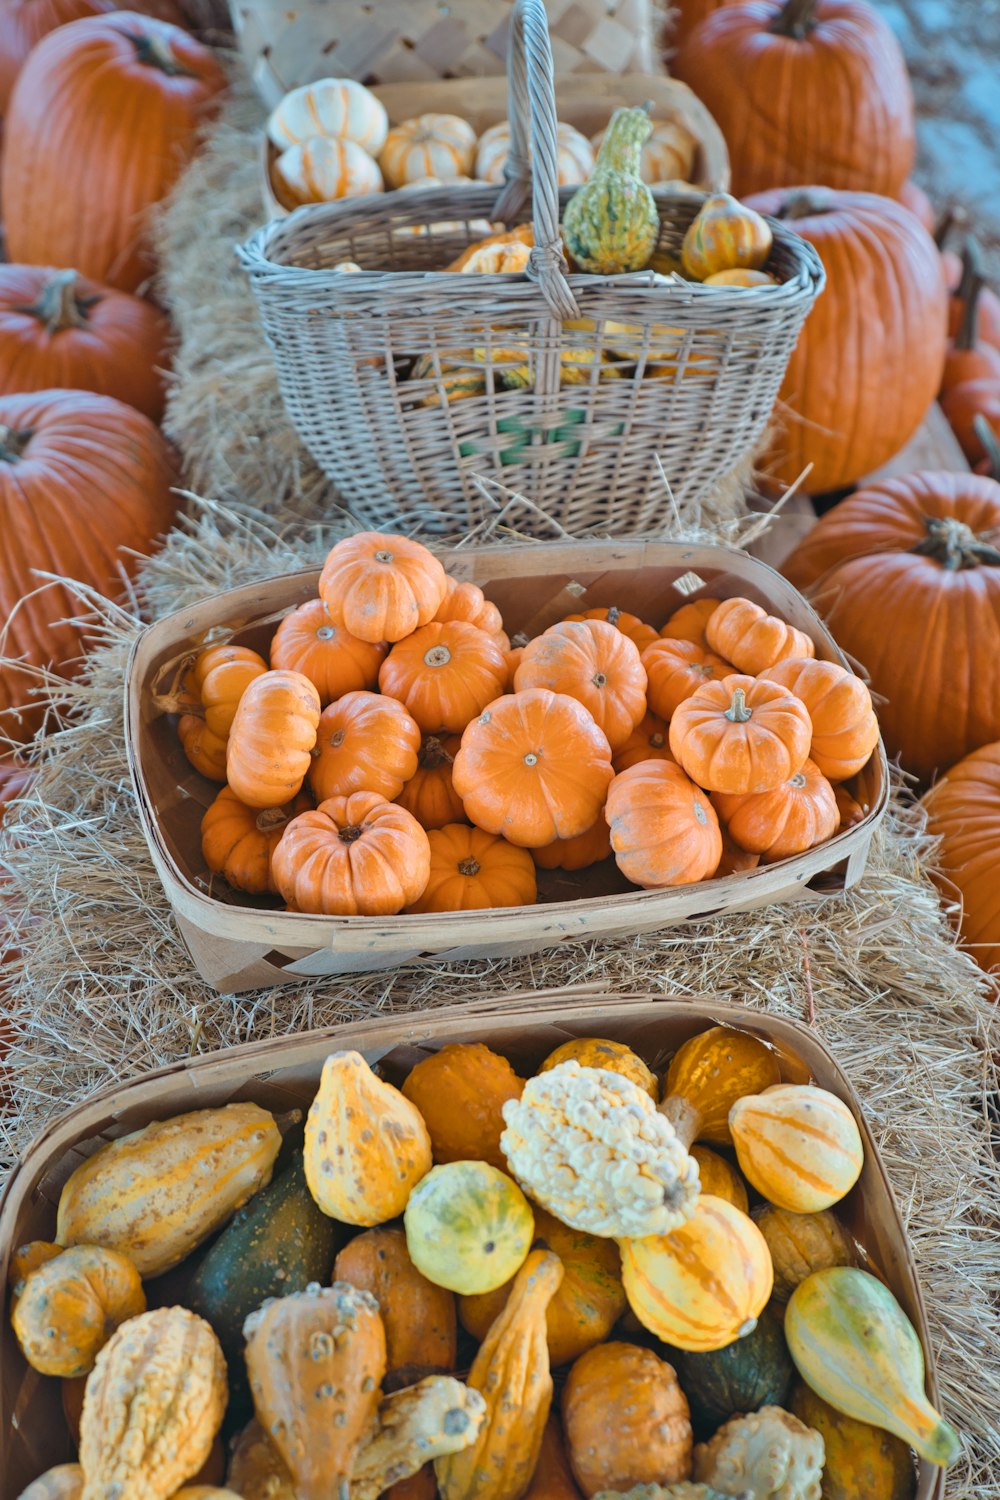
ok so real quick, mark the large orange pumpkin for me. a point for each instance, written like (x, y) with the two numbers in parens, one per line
(907, 575)
(104, 116)
(964, 813)
(23, 23)
(869, 359)
(685, 15)
(84, 482)
(805, 91)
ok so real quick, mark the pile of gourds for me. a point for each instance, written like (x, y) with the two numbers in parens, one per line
(565, 1221)
(690, 754)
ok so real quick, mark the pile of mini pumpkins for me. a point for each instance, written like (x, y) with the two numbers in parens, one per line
(564, 1221)
(446, 764)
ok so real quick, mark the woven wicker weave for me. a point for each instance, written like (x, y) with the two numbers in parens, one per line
(584, 453)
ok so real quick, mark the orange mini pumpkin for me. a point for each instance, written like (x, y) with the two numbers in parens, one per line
(795, 816)
(852, 812)
(474, 871)
(638, 632)
(205, 750)
(753, 640)
(460, 1093)
(445, 674)
(429, 794)
(272, 738)
(595, 663)
(844, 726)
(356, 856)
(649, 740)
(466, 601)
(578, 853)
(220, 676)
(365, 742)
(664, 830)
(534, 767)
(335, 661)
(675, 670)
(238, 841)
(734, 860)
(688, 623)
(381, 587)
(741, 735)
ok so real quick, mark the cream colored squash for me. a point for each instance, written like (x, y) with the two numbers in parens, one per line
(337, 107)
(668, 155)
(442, 146)
(321, 170)
(574, 154)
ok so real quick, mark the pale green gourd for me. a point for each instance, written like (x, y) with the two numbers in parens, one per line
(611, 224)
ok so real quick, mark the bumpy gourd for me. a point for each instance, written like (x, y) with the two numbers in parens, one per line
(69, 1308)
(798, 1145)
(24, 1260)
(854, 1345)
(430, 1420)
(768, 1452)
(154, 1401)
(460, 1092)
(257, 1470)
(316, 1361)
(707, 1076)
(366, 1146)
(683, 1491)
(511, 1370)
(626, 1419)
(64, 1482)
(801, 1244)
(860, 1460)
(157, 1193)
(611, 223)
(418, 1317)
(468, 1226)
(615, 1057)
(589, 1146)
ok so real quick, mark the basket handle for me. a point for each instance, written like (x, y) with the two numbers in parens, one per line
(532, 110)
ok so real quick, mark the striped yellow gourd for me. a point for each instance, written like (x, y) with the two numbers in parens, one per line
(798, 1145)
(703, 1285)
(853, 1345)
(725, 235)
(156, 1194)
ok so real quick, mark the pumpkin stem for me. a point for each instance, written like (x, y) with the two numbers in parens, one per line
(614, 614)
(58, 305)
(352, 834)
(599, 680)
(737, 712)
(954, 545)
(943, 228)
(437, 656)
(156, 52)
(984, 432)
(433, 754)
(13, 444)
(468, 866)
(796, 19)
(802, 205)
(971, 286)
(519, 639)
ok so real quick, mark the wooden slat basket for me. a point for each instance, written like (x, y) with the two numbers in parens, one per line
(283, 1075)
(239, 942)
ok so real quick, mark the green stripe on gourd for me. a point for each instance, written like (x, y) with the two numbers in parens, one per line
(611, 225)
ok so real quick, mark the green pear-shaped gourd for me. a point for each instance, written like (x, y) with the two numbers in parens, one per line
(853, 1345)
(611, 223)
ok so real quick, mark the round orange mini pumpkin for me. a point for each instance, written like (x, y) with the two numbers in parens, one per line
(444, 674)
(734, 860)
(688, 623)
(745, 634)
(429, 794)
(205, 750)
(356, 856)
(381, 587)
(466, 601)
(219, 678)
(272, 739)
(534, 767)
(649, 740)
(365, 742)
(741, 735)
(335, 661)
(474, 871)
(664, 830)
(638, 632)
(795, 816)
(844, 726)
(676, 669)
(577, 853)
(852, 812)
(238, 842)
(460, 1093)
(595, 663)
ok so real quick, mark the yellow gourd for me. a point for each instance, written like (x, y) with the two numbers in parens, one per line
(802, 1243)
(596, 1052)
(859, 1460)
(798, 1145)
(720, 1179)
(708, 1074)
(69, 1308)
(725, 235)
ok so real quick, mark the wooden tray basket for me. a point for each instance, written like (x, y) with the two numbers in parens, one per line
(283, 1075)
(243, 946)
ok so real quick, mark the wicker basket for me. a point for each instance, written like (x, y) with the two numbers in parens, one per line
(402, 454)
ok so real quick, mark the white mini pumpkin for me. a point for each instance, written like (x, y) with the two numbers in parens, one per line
(669, 153)
(337, 107)
(441, 146)
(321, 170)
(574, 154)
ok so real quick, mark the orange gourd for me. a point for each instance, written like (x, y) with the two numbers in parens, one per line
(335, 661)
(675, 670)
(466, 601)
(475, 871)
(844, 726)
(709, 1072)
(741, 735)
(272, 738)
(355, 856)
(614, 1057)
(725, 236)
(719, 1178)
(534, 767)
(146, 88)
(595, 663)
(70, 1306)
(238, 842)
(419, 1319)
(365, 743)
(963, 811)
(638, 632)
(60, 330)
(219, 678)
(626, 1420)
(460, 1092)
(689, 622)
(553, 1477)
(444, 674)
(381, 587)
(429, 794)
(649, 740)
(793, 817)
(753, 640)
(664, 830)
(578, 853)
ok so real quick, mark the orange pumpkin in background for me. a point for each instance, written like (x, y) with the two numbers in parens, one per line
(963, 810)
(475, 871)
(858, 386)
(685, 15)
(23, 23)
(144, 89)
(576, 854)
(466, 601)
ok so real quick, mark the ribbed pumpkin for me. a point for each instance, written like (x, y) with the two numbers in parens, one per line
(574, 154)
(475, 871)
(690, 621)
(797, 815)
(578, 853)
(857, 386)
(664, 830)
(468, 1226)
(272, 738)
(23, 23)
(740, 735)
(745, 634)
(381, 586)
(429, 794)
(237, 841)
(801, 1244)
(596, 1052)
(804, 91)
(330, 107)
(675, 670)
(354, 856)
(145, 88)
(964, 813)
(594, 662)
(858, 1459)
(798, 1145)
(444, 674)
(844, 726)
(626, 1420)
(365, 743)
(432, 145)
(335, 661)
(638, 632)
(460, 1092)
(907, 575)
(708, 1074)
(649, 740)
(466, 601)
(60, 330)
(734, 861)
(418, 1317)
(704, 1284)
(322, 170)
(84, 482)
